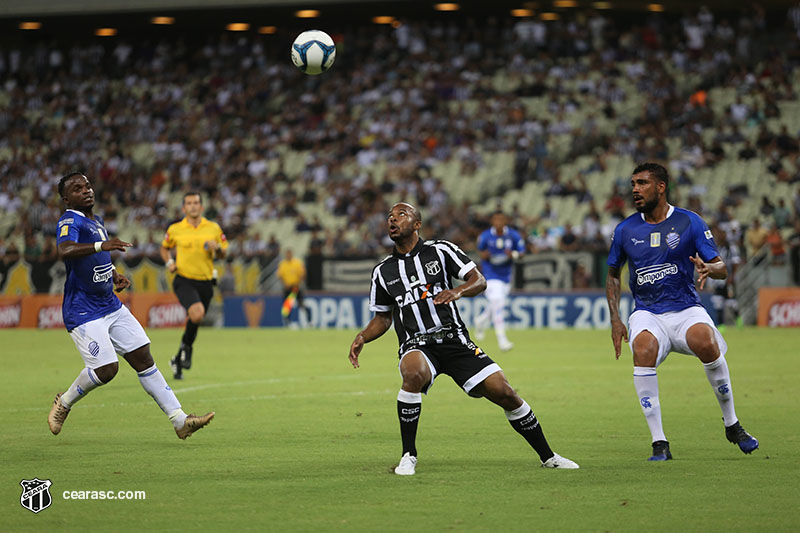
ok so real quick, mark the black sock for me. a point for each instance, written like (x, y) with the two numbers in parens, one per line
(528, 426)
(408, 413)
(190, 334)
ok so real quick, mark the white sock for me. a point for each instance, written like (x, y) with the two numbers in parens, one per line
(86, 381)
(720, 379)
(498, 308)
(519, 412)
(646, 382)
(156, 386)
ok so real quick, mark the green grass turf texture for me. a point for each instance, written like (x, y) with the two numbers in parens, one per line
(303, 442)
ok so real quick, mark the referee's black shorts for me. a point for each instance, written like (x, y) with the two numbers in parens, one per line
(466, 364)
(191, 291)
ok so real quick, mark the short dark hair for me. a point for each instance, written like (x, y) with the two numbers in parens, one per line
(498, 212)
(65, 178)
(657, 171)
(192, 193)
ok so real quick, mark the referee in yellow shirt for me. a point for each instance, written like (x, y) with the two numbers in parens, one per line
(197, 242)
(292, 273)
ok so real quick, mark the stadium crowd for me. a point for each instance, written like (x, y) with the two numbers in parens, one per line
(231, 117)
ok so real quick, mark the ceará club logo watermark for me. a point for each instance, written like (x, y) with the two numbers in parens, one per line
(35, 494)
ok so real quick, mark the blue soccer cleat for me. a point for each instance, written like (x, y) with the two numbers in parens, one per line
(737, 435)
(661, 451)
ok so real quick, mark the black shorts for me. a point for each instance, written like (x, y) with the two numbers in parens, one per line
(466, 364)
(191, 291)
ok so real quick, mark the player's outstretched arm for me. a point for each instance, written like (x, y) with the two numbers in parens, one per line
(73, 250)
(618, 329)
(379, 324)
(714, 269)
(474, 283)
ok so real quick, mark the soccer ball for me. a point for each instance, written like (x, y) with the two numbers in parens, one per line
(313, 52)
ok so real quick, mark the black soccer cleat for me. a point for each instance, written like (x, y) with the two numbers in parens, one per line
(661, 451)
(185, 357)
(174, 364)
(737, 435)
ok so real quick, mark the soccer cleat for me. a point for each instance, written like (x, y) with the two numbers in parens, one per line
(480, 333)
(505, 345)
(175, 365)
(661, 451)
(407, 466)
(560, 462)
(58, 414)
(193, 423)
(737, 435)
(185, 357)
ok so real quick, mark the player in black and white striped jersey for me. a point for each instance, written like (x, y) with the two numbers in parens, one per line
(413, 288)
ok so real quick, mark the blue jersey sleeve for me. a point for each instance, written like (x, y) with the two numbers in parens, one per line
(519, 243)
(483, 241)
(703, 239)
(616, 255)
(68, 229)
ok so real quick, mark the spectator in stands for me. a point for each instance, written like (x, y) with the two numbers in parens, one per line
(569, 241)
(747, 152)
(755, 237)
(777, 247)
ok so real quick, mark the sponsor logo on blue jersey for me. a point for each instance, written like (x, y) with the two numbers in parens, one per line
(654, 273)
(103, 273)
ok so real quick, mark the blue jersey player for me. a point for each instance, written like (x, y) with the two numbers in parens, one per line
(499, 246)
(664, 245)
(98, 323)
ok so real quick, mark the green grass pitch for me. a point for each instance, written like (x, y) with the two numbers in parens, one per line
(303, 442)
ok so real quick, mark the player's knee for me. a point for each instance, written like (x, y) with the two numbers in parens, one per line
(197, 313)
(107, 372)
(414, 380)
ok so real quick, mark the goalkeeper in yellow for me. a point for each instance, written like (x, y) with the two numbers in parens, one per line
(197, 242)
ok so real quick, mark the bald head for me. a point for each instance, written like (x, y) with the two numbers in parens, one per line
(413, 210)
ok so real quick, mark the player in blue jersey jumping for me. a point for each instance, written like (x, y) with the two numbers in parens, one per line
(664, 245)
(499, 246)
(95, 318)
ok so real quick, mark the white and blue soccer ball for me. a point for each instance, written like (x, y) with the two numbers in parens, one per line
(313, 52)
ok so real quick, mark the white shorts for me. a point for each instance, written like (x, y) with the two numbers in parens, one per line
(99, 341)
(670, 329)
(497, 291)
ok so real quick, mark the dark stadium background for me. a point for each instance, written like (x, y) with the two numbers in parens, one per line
(335, 267)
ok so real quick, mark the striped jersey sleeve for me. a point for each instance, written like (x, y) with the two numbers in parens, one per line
(456, 261)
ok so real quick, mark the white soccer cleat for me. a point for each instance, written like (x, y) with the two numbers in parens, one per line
(407, 466)
(480, 334)
(560, 462)
(505, 345)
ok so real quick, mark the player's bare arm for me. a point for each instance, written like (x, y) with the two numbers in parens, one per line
(73, 250)
(714, 269)
(379, 325)
(618, 329)
(474, 284)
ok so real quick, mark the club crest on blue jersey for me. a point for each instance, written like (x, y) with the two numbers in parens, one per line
(673, 239)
